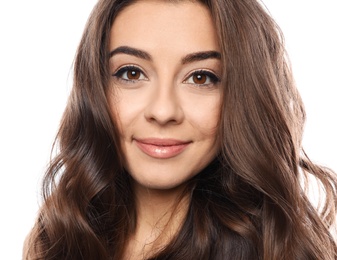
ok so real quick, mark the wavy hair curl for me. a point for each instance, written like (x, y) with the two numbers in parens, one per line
(249, 203)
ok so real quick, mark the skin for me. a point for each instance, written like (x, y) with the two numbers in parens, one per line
(164, 93)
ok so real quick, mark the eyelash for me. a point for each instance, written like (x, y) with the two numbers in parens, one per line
(130, 68)
(211, 78)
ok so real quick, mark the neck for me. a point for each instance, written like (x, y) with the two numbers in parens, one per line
(160, 214)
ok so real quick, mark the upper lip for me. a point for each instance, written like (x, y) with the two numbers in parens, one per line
(161, 141)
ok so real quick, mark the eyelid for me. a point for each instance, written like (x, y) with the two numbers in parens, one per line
(121, 70)
(213, 77)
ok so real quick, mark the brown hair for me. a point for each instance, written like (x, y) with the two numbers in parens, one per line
(247, 204)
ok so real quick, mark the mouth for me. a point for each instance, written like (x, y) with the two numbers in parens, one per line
(161, 148)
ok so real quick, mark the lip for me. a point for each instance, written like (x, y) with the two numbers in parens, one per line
(161, 148)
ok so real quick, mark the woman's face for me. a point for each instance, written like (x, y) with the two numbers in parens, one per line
(166, 70)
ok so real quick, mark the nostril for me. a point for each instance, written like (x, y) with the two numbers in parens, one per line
(164, 109)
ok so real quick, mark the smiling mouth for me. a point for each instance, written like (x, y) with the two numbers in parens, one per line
(161, 148)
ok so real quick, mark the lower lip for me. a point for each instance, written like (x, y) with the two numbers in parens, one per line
(161, 152)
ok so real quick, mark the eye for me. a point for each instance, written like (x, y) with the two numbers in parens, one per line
(202, 78)
(130, 73)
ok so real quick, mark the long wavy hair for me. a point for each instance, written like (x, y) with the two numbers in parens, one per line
(249, 203)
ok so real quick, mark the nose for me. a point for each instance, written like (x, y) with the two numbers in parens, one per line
(164, 106)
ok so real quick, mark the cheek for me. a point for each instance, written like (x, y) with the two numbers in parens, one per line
(205, 115)
(126, 108)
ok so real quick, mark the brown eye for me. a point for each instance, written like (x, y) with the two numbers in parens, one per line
(130, 73)
(202, 78)
(199, 79)
(133, 74)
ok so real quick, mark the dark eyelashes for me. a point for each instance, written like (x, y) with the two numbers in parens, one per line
(213, 78)
(119, 73)
(132, 73)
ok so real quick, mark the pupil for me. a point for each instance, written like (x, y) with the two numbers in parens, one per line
(200, 79)
(133, 74)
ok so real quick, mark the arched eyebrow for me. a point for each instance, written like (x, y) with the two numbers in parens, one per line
(199, 56)
(192, 57)
(131, 51)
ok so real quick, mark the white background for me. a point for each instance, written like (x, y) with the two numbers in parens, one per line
(38, 40)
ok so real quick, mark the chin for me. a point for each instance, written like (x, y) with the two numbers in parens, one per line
(164, 183)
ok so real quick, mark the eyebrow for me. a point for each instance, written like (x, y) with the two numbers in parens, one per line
(192, 57)
(200, 56)
(131, 51)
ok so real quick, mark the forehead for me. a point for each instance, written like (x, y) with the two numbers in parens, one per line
(149, 24)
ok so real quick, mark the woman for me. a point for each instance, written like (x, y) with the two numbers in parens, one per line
(182, 140)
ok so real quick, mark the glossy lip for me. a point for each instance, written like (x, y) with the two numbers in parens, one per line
(161, 148)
